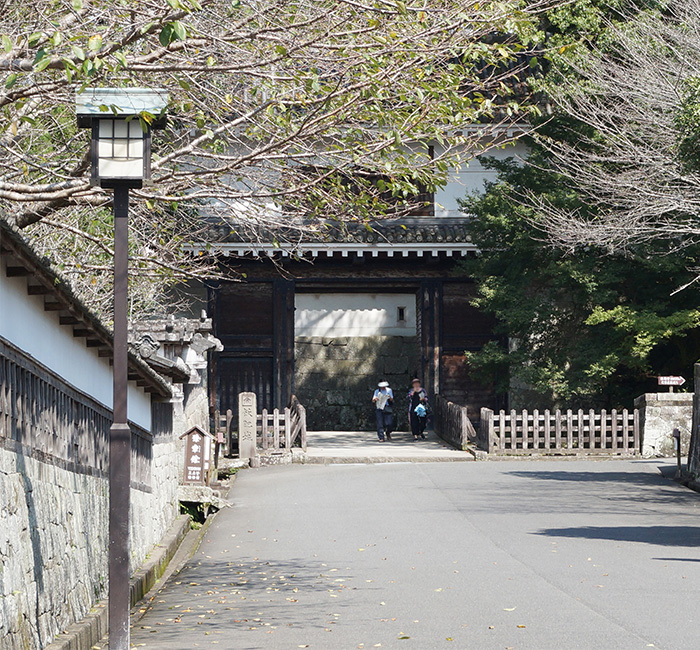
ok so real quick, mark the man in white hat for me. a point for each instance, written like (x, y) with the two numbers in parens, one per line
(383, 400)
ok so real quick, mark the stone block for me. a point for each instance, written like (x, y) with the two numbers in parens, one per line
(660, 413)
(336, 341)
(395, 366)
(308, 349)
(336, 397)
(305, 365)
(349, 414)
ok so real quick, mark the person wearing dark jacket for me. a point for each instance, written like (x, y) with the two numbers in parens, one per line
(417, 409)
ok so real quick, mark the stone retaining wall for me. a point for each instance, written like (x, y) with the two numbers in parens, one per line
(336, 377)
(53, 539)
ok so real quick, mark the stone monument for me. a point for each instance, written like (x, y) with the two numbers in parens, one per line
(247, 425)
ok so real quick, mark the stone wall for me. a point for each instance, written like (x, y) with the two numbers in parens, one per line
(53, 538)
(190, 409)
(659, 415)
(153, 512)
(335, 378)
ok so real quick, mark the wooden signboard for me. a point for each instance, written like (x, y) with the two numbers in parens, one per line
(671, 381)
(197, 456)
(247, 425)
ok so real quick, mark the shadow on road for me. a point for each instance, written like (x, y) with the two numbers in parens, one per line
(688, 536)
(211, 596)
(638, 478)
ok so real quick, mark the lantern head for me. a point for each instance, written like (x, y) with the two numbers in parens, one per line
(121, 120)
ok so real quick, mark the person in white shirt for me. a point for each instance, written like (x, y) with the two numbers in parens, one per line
(383, 399)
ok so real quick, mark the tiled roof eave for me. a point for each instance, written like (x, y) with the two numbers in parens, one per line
(339, 249)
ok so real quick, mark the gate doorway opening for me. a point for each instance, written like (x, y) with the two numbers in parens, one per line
(344, 343)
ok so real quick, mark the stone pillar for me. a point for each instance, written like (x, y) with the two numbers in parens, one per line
(659, 415)
(247, 425)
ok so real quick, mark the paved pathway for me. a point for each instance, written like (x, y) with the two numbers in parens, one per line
(363, 447)
(541, 555)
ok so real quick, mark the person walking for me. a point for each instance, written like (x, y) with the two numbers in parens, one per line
(417, 409)
(383, 399)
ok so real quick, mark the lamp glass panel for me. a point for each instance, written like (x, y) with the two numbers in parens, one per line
(111, 168)
(120, 149)
(136, 148)
(104, 148)
(106, 129)
(121, 129)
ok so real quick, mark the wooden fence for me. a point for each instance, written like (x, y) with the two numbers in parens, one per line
(565, 433)
(452, 423)
(282, 429)
(44, 417)
(277, 429)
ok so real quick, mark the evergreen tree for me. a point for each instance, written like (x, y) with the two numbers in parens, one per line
(585, 325)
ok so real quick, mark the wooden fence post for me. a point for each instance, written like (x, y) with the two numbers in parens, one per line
(464, 422)
(302, 416)
(287, 429)
(486, 432)
(276, 429)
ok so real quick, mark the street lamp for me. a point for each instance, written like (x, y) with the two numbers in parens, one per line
(120, 150)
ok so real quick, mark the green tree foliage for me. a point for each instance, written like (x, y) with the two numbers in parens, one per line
(586, 326)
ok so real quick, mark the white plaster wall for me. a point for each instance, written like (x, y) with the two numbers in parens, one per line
(354, 314)
(24, 323)
(471, 178)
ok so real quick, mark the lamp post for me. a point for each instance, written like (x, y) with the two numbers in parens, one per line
(120, 150)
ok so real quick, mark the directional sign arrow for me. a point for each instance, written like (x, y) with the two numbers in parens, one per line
(671, 381)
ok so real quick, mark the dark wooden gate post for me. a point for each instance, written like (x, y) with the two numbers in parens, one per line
(694, 451)
(212, 366)
(430, 334)
(283, 341)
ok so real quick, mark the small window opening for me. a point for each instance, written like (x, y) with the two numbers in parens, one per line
(401, 314)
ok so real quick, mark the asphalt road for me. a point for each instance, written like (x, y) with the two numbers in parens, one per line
(545, 555)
